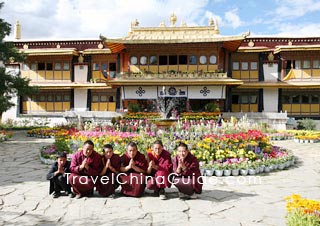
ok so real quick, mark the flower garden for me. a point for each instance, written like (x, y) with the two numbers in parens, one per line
(236, 148)
(5, 135)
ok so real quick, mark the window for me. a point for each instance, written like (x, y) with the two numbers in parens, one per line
(42, 98)
(192, 60)
(50, 98)
(49, 66)
(213, 59)
(286, 99)
(297, 64)
(66, 98)
(153, 60)
(235, 66)
(314, 99)
(183, 59)
(104, 69)
(173, 60)
(316, 64)
(306, 64)
(57, 66)
(133, 60)
(25, 67)
(235, 99)
(305, 99)
(253, 99)
(244, 66)
(66, 66)
(244, 99)
(95, 98)
(254, 66)
(203, 59)
(33, 67)
(95, 67)
(41, 66)
(113, 69)
(296, 99)
(143, 60)
(58, 98)
(103, 98)
(163, 60)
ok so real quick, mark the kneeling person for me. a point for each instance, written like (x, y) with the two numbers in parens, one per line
(111, 163)
(58, 176)
(160, 167)
(188, 177)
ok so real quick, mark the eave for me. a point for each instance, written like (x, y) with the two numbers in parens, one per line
(280, 84)
(287, 48)
(50, 51)
(84, 85)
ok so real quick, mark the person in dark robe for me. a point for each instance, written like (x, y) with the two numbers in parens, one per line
(85, 168)
(188, 178)
(160, 167)
(133, 169)
(58, 176)
(111, 167)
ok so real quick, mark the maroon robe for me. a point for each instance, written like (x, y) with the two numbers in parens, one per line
(160, 177)
(84, 181)
(132, 182)
(108, 187)
(190, 180)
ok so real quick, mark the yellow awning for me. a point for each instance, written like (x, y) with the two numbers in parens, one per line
(296, 74)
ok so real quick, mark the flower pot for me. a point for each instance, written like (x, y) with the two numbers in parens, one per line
(203, 172)
(209, 172)
(312, 141)
(218, 173)
(235, 172)
(244, 172)
(281, 166)
(287, 164)
(267, 169)
(226, 172)
(252, 171)
(300, 141)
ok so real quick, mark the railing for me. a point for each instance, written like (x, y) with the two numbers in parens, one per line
(176, 75)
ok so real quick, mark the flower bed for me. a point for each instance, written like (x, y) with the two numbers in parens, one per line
(302, 212)
(5, 135)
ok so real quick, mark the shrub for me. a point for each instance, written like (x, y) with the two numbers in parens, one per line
(307, 124)
(133, 107)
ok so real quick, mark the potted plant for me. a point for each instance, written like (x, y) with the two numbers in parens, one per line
(218, 169)
(209, 170)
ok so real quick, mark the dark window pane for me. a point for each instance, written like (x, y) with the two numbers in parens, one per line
(173, 60)
(235, 99)
(153, 60)
(112, 66)
(183, 59)
(305, 99)
(286, 99)
(49, 66)
(58, 98)
(66, 97)
(41, 66)
(193, 60)
(296, 99)
(315, 99)
(163, 60)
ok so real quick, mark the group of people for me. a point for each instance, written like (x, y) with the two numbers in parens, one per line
(133, 171)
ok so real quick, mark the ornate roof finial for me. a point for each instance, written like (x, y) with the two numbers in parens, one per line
(17, 30)
(135, 23)
(211, 22)
(162, 24)
(216, 25)
(183, 24)
(173, 20)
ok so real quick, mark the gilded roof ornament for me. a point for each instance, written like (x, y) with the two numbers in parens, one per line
(211, 22)
(173, 20)
(162, 24)
(135, 23)
(183, 24)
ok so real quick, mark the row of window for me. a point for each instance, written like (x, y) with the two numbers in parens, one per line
(46, 66)
(300, 99)
(50, 97)
(305, 64)
(244, 66)
(244, 99)
(173, 60)
(104, 66)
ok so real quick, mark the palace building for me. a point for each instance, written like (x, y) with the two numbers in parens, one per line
(194, 65)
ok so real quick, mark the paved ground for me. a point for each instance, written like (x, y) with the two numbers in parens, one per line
(228, 201)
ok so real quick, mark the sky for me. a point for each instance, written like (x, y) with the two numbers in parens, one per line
(83, 19)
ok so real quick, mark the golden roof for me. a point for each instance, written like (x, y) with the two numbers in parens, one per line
(281, 48)
(50, 51)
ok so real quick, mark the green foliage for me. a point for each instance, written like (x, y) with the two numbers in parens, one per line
(133, 107)
(211, 107)
(298, 218)
(10, 84)
(306, 124)
(62, 145)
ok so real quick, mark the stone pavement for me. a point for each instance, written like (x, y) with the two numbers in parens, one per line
(244, 201)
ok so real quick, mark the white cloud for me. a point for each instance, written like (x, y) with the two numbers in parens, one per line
(87, 19)
(299, 29)
(232, 19)
(289, 9)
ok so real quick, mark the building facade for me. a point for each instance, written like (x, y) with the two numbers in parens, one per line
(195, 66)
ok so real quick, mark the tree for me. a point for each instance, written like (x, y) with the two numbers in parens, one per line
(10, 84)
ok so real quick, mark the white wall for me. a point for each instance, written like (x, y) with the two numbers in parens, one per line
(12, 112)
(270, 99)
(270, 72)
(80, 73)
(80, 99)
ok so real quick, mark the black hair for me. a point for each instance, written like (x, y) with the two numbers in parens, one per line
(158, 142)
(107, 146)
(88, 142)
(132, 144)
(181, 144)
(61, 155)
